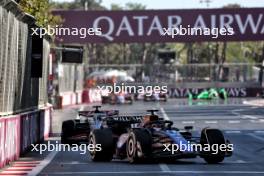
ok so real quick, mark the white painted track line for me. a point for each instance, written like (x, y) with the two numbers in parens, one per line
(165, 116)
(259, 131)
(233, 131)
(211, 121)
(250, 117)
(234, 121)
(164, 167)
(188, 122)
(256, 137)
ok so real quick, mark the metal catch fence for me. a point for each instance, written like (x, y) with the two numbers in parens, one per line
(18, 91)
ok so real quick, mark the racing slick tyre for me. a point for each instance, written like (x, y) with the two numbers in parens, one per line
(212, 137)
(222, 96)
(103, 137)
(66, 131)
(131, 101)
(105, 99)
(138, 145)
(147, 98)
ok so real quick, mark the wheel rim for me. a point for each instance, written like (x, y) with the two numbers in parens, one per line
(130, 147)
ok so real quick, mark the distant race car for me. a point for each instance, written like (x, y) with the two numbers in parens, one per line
(156, 97)
(78, 130)
(209, 94)
(141, 138)
(118, 99)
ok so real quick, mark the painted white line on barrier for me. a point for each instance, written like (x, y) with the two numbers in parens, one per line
(43, 164)
(165, 116)
(210, 122)
(259, 131)
(187, 122)
(256, 137)
(164, 167)
(234, 121)
(158, 172)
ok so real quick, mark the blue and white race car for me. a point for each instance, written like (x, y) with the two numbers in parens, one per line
(77, 130)
(149, 137)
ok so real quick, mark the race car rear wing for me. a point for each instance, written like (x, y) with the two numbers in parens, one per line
(125, 119)
(91, 113)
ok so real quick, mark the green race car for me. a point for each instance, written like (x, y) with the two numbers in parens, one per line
(210, 94)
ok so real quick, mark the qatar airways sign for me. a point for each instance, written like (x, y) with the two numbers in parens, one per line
(244, 24)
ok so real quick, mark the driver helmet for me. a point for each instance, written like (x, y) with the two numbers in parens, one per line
(150, 118)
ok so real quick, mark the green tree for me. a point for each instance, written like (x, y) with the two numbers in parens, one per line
(134, 6)
(79, 4)
(41, 10)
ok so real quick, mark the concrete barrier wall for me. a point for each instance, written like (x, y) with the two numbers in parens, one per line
(47, 122)
(17, 133)
(2, 142)
(82, 96)
(231, 92)
(10, 139)
(79, 97)
(30, 129)
(68, 98)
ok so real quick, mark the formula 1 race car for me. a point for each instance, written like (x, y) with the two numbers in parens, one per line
(209, 94)
(155, 138)
(77, 130)
(118, 99)
(156, 97)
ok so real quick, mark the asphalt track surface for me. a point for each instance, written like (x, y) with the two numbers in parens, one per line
(242, 124)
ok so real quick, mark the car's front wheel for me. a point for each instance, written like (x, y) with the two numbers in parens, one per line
(211, 138)
(138, 145)
(104, 139)
(68, 127)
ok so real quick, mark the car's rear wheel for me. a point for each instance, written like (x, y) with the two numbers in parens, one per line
(138, 145)
(130, 99)
(68, 127)
(210, 137)
(165, 99)
(104, 138)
